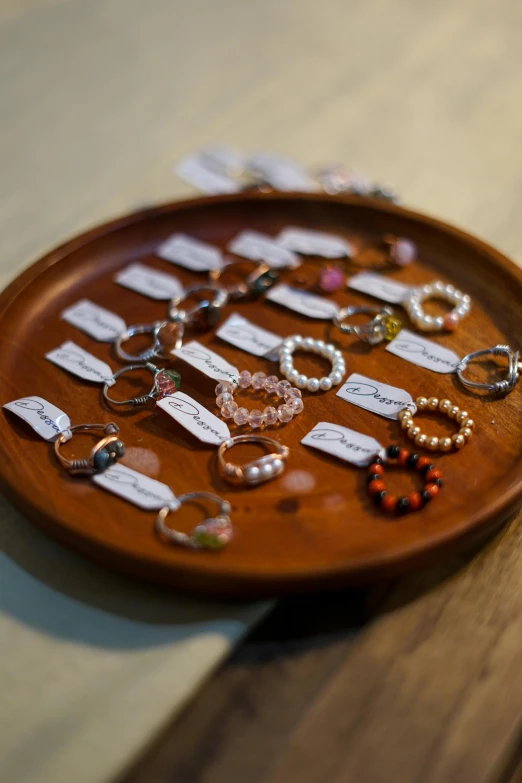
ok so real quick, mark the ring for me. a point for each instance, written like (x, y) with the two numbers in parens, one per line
(164, 333)
(229, 409)
(499, 387)
(205, 313)
(107, 451)
(254, 284)
(436, 290)
(456, 441)
(328, 350)
(392, 252)
(165, 382)
(383, 326)
(392, 504)
(257, 471)
(214, 533)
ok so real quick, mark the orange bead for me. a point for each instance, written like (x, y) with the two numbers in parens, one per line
(403, 456)
(422, 462)
(433, 474)
(415, 501)
(432, 489)
(375, 468)
(389, 503)
(376, 486)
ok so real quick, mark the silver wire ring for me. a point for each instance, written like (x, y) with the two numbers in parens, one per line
(256, 282)
(213, 533)
(155, 350)
(499, 387)
(134, 401)
(211, 306)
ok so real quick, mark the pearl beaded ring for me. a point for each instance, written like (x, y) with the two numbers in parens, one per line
(291, 406)
(402, 457)
(328, 350)
(437, 290)
(456, 441)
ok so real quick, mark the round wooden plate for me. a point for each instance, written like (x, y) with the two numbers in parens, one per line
(314, 527)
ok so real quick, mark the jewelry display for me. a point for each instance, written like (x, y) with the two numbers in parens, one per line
(416, 500)
(446, 407)
(308, 344)
(383, 326)
(257, 471)
(165, 383)
(437, 290)
(105, 453)
(166, 336)
(205, 313)
(259, 381)
(254, 284)
(214, 533)
(498, 387)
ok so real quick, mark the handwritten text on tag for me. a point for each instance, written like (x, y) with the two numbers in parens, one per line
(314, 243)
(260, 247)
(45, 419)
(137, 488)
(343, 443)
(375, 396)
(74, 359)
(247, 336)
(379, 286)
(94, 320)
(208, 362)
(303, 302)
(195, 418)
(149, 282)
(190, 253)
(424, 353)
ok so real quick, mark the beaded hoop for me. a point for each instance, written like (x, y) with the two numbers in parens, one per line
(446, 407)
(416, 500)
(297, 343)
(436, 290)
(284, 413)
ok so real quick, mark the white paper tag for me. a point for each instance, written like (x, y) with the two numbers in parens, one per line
(260, 247)
(95, 321)
(197, 170)
(251, 338)
(314, 243)
(425, 353)
(208, 362)
(45, 419)
(379, 286)
(281, 173)
(195, 418)
(374, 396)
(137, 488)
(149, 282)
(343, 443)
(190, 253)
(74, 359)
(303, 302)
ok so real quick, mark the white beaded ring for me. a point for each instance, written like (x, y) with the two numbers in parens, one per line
(436, 290)
(229, 409)
(328, 350)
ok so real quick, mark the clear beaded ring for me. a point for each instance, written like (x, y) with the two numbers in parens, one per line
(292, 403)
(436, 290)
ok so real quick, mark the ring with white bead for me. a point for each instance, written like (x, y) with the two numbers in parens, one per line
(308, 344)
(257, 471)
(436, 290)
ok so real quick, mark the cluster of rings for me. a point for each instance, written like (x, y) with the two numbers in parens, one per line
(292, 403)
(213, 533)
(392, 504)
(319, 347)
(432, 443)
(256, 471)
(436, 290)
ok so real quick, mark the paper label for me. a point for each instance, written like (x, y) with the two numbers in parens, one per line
(137, 488)
(195, 418)
(260, 247)
(149, 282)
(280, 173)
(75, 360)
(379, 286)
(424, 353)
(314, 243)
(197, 170)
(45, 419)
(251, 338)
(190, 253)
(374, 396)
(303, 302)
(221, 158)
(343, 443)
(95, 321)
(208, 362)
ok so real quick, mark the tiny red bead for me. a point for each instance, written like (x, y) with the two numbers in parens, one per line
(403, 456)
(374, 468)
(422, 462)
(433, 474)
(377, 486)
(431, 488)
(415, 501)
(389, 503)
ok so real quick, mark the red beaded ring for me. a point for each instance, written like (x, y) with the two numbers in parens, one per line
(392, 504)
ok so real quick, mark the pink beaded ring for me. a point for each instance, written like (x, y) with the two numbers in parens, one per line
(292, 403)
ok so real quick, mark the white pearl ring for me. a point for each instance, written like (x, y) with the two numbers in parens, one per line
(297, 343)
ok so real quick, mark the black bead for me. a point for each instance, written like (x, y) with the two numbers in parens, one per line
(372, 477)
(393, 452)
(379, 496)
(403, 505)
(426, 497)
(426, 468)
(377, 461)
(412, 460)
(438, 482)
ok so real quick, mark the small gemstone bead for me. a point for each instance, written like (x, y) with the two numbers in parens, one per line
(375, 467)
(432, 443)
(325, 383)
(402, 456)
(414, 432)
(421, 403)
(433, 403)
(330, 279)
(285, 385)
(270, 415)
(392, 327)
(271, 383)
(389, 503)
(258, 380)
(224, 386)
(433, 473)
(427, 466)
(291, 392)
(406, 422)
(167, 382)
(296, 404)
(377, 461)
(255, 418)
(415, 501)
(458, 440)
(245, 379)
(412, 460)
(468, 423)
(461, 417)
(404, 251)
(301, 381)
(431, 489)
(376, 486)
(444, 405)
(169, 334)
(228, 409)
(284, 413)
(405, 413)
(241, 416)
(426, 497)
(379, 496)
(466, 432)
(438, 482)
(313, 384)
(392, 452)
(445, 444)
(422, 462)
(373, 477)
(221, 399)
(403, 505)
(453, 411)
(420, 440)
(451, 321)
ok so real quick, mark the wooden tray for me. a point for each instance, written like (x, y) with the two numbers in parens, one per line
(314, 528)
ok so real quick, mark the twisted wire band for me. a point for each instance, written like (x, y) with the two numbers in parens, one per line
(501, 387)
(213, 533)
(156, 350)
(138, 400)
(105, 453)
(256, 282)
(206, 310)
(257, 471)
